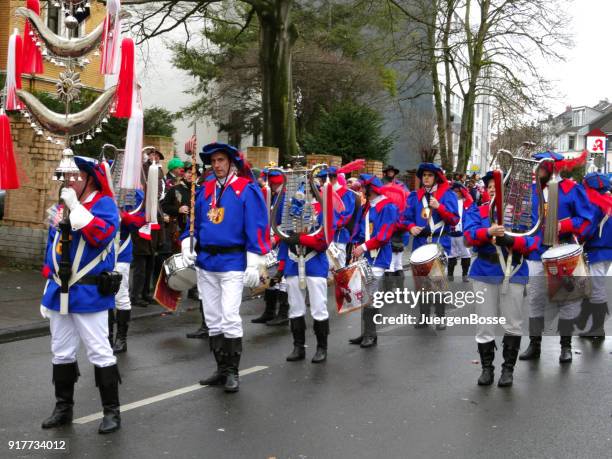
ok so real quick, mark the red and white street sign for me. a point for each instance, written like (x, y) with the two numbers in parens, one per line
(596, 141)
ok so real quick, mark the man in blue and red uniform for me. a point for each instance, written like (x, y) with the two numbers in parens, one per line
(277, 292)
(232, 236)
(494, 249)
(575, 215)
(431, 212)
(458, 248)
(376, 226)
(94, 221)
(599, 253)
(317, 266)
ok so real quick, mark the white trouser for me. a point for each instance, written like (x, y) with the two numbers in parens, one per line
(458, 248)
(396, 262)
(317, 293)
(341, 257)
(122, 298)
(599, 273)
(537, 295)
(67, 331)
(495, 305)
(221, 295)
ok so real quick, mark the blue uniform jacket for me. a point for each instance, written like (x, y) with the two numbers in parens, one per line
(382, 220)
(599, 248)
(241, 222)
(98, 235)
(475, 224)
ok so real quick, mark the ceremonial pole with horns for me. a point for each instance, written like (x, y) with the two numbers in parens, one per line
(26, 54)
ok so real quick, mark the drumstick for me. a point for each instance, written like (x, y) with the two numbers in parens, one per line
(193, 186)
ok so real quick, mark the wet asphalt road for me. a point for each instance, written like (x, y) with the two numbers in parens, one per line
(414, 395)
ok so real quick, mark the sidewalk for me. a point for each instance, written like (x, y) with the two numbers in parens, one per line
(21, 291)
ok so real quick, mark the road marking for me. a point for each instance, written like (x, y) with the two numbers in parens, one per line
(160, 397)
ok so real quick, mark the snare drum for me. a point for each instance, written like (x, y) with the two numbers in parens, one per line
(351, 286)
(567, 275)
(179, 275)
(428, 264)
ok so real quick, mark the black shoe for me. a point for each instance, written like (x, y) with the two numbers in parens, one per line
(536, 327)
(218, 377)
(64, 378)
(357, 340)
(298, 353)
(148, 299)
(283, 311)
(123, 320)
(368, 341)
(270, 296)
(107, 380)
(200, 333)
(232, 350)
(321, 330)
(487, 355)
(139, 303)
(512, 344)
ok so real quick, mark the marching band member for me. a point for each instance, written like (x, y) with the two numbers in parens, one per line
(131, 220)
(488, 272)
(575, 216)
(277, 292)
(458, 248)
(317, 267)
(431, 209)
(599, 254)
(396, 268)
(94, 221)
(376, 226)
(231, 238)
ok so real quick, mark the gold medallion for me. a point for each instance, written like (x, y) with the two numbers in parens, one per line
(426, 213)
(216, 214)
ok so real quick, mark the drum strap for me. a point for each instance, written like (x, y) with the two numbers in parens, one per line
(373, 253)
(433, 227)
(293, 257)
(602, 223)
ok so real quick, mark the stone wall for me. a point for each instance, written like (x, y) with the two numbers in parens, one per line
(23, 228)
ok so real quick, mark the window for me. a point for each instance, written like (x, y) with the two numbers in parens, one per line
(571, 143)
(578, 118)
(53, 15)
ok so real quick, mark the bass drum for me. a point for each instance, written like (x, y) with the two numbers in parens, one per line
(179, 275)
(567, 275)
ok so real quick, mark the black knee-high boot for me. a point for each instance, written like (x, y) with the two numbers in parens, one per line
(123, 320)
(64, 377)
(298, 330)
(107, 380)
(487, 355)
(321, 330)
(282, 318)
(465, 268)
(202, 332)
(512, 345)
(536, 327)
(270, 296)
(232, 350)
(597, 332)
(370, 337)
(218, 377)
(452, 262)
(111, 326)
(566, 329)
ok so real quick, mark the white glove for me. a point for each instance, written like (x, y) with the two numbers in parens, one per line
(68, 195)
(44, 312)
(254, 263)
(189, 256)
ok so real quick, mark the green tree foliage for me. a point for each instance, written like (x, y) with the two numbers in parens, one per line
(349, 130)
(158, 121)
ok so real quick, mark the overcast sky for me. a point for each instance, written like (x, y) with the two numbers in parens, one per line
(586, 77)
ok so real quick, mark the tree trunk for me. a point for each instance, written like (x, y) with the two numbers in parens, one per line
(277, 36)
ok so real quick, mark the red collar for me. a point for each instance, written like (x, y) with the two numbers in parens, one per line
(96, 198)
(238, 185)
(484, 210)
(567, 185)
(442, 188)
(342, 191)
(379, 206)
